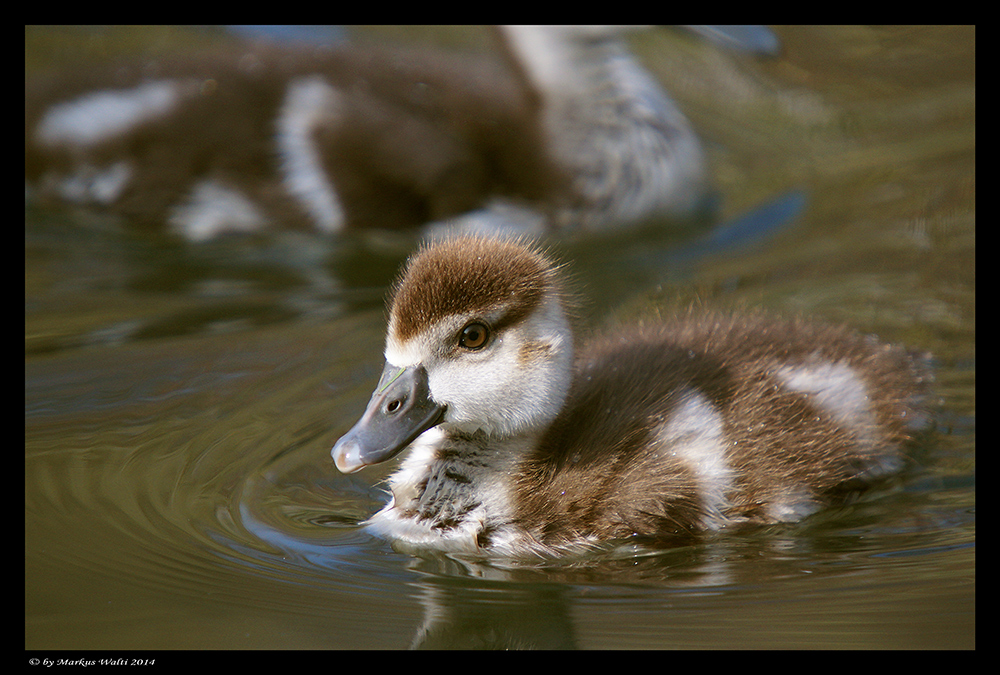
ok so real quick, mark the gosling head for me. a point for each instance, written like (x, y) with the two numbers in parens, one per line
(478, 341)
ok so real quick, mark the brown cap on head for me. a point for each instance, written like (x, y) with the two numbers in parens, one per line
(469, 274)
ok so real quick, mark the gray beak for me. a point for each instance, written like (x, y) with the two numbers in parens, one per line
(400, 410)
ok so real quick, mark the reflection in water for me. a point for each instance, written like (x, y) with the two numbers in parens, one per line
(462, 615)
(469, 604)
(181, 491)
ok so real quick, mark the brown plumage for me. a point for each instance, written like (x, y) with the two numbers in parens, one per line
(525, 444)
(598, 468)
(415, 136)
(560, 129)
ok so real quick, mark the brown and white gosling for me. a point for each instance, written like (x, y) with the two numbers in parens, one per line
(565, 130)
(522, 443)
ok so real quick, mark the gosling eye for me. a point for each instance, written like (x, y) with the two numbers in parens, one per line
(474, 336)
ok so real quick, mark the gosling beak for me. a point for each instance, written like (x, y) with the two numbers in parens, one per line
(400, 410)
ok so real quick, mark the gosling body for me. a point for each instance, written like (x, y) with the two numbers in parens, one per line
(563, 131)
(520, 443)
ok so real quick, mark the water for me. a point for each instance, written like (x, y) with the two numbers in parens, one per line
(181, 401)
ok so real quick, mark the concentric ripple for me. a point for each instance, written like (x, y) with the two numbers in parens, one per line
(192, 485)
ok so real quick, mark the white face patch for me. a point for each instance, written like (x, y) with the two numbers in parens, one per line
(309, 101)
(495, 389)
(103, 115)
(406, 354)
(214, 208)
(695, 433)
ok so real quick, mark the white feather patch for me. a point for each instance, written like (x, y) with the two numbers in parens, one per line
(695, 433)
(309, 101)
(102, 115)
